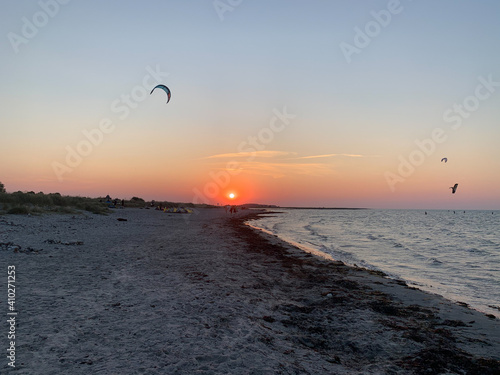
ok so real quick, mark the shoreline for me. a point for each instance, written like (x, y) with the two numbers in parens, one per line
(484, 308)
(306, 249)
(328, 257)
(401, 296)
(156, 293)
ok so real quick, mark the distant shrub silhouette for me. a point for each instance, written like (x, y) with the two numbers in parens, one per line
(24, 203)
(19, 210)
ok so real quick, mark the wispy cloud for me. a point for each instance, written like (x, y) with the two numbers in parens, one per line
(279, 163)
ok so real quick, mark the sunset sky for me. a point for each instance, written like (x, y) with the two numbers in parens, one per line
(287, 102)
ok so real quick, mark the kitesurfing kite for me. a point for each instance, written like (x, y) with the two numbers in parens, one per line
(454, 188)
(164, 88)
(444, 159)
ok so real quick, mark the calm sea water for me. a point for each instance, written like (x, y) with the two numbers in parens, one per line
(454, 254)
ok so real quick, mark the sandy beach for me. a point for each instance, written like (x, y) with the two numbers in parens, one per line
(157, 293)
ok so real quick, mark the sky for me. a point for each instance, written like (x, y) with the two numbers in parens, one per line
(285, 102)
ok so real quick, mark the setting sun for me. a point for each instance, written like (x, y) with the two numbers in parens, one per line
(231, 195)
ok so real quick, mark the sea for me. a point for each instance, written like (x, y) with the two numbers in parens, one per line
(455, 254)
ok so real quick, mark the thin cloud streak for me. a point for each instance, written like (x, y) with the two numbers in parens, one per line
(279, 163)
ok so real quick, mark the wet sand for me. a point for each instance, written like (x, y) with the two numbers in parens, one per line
(160, 293)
